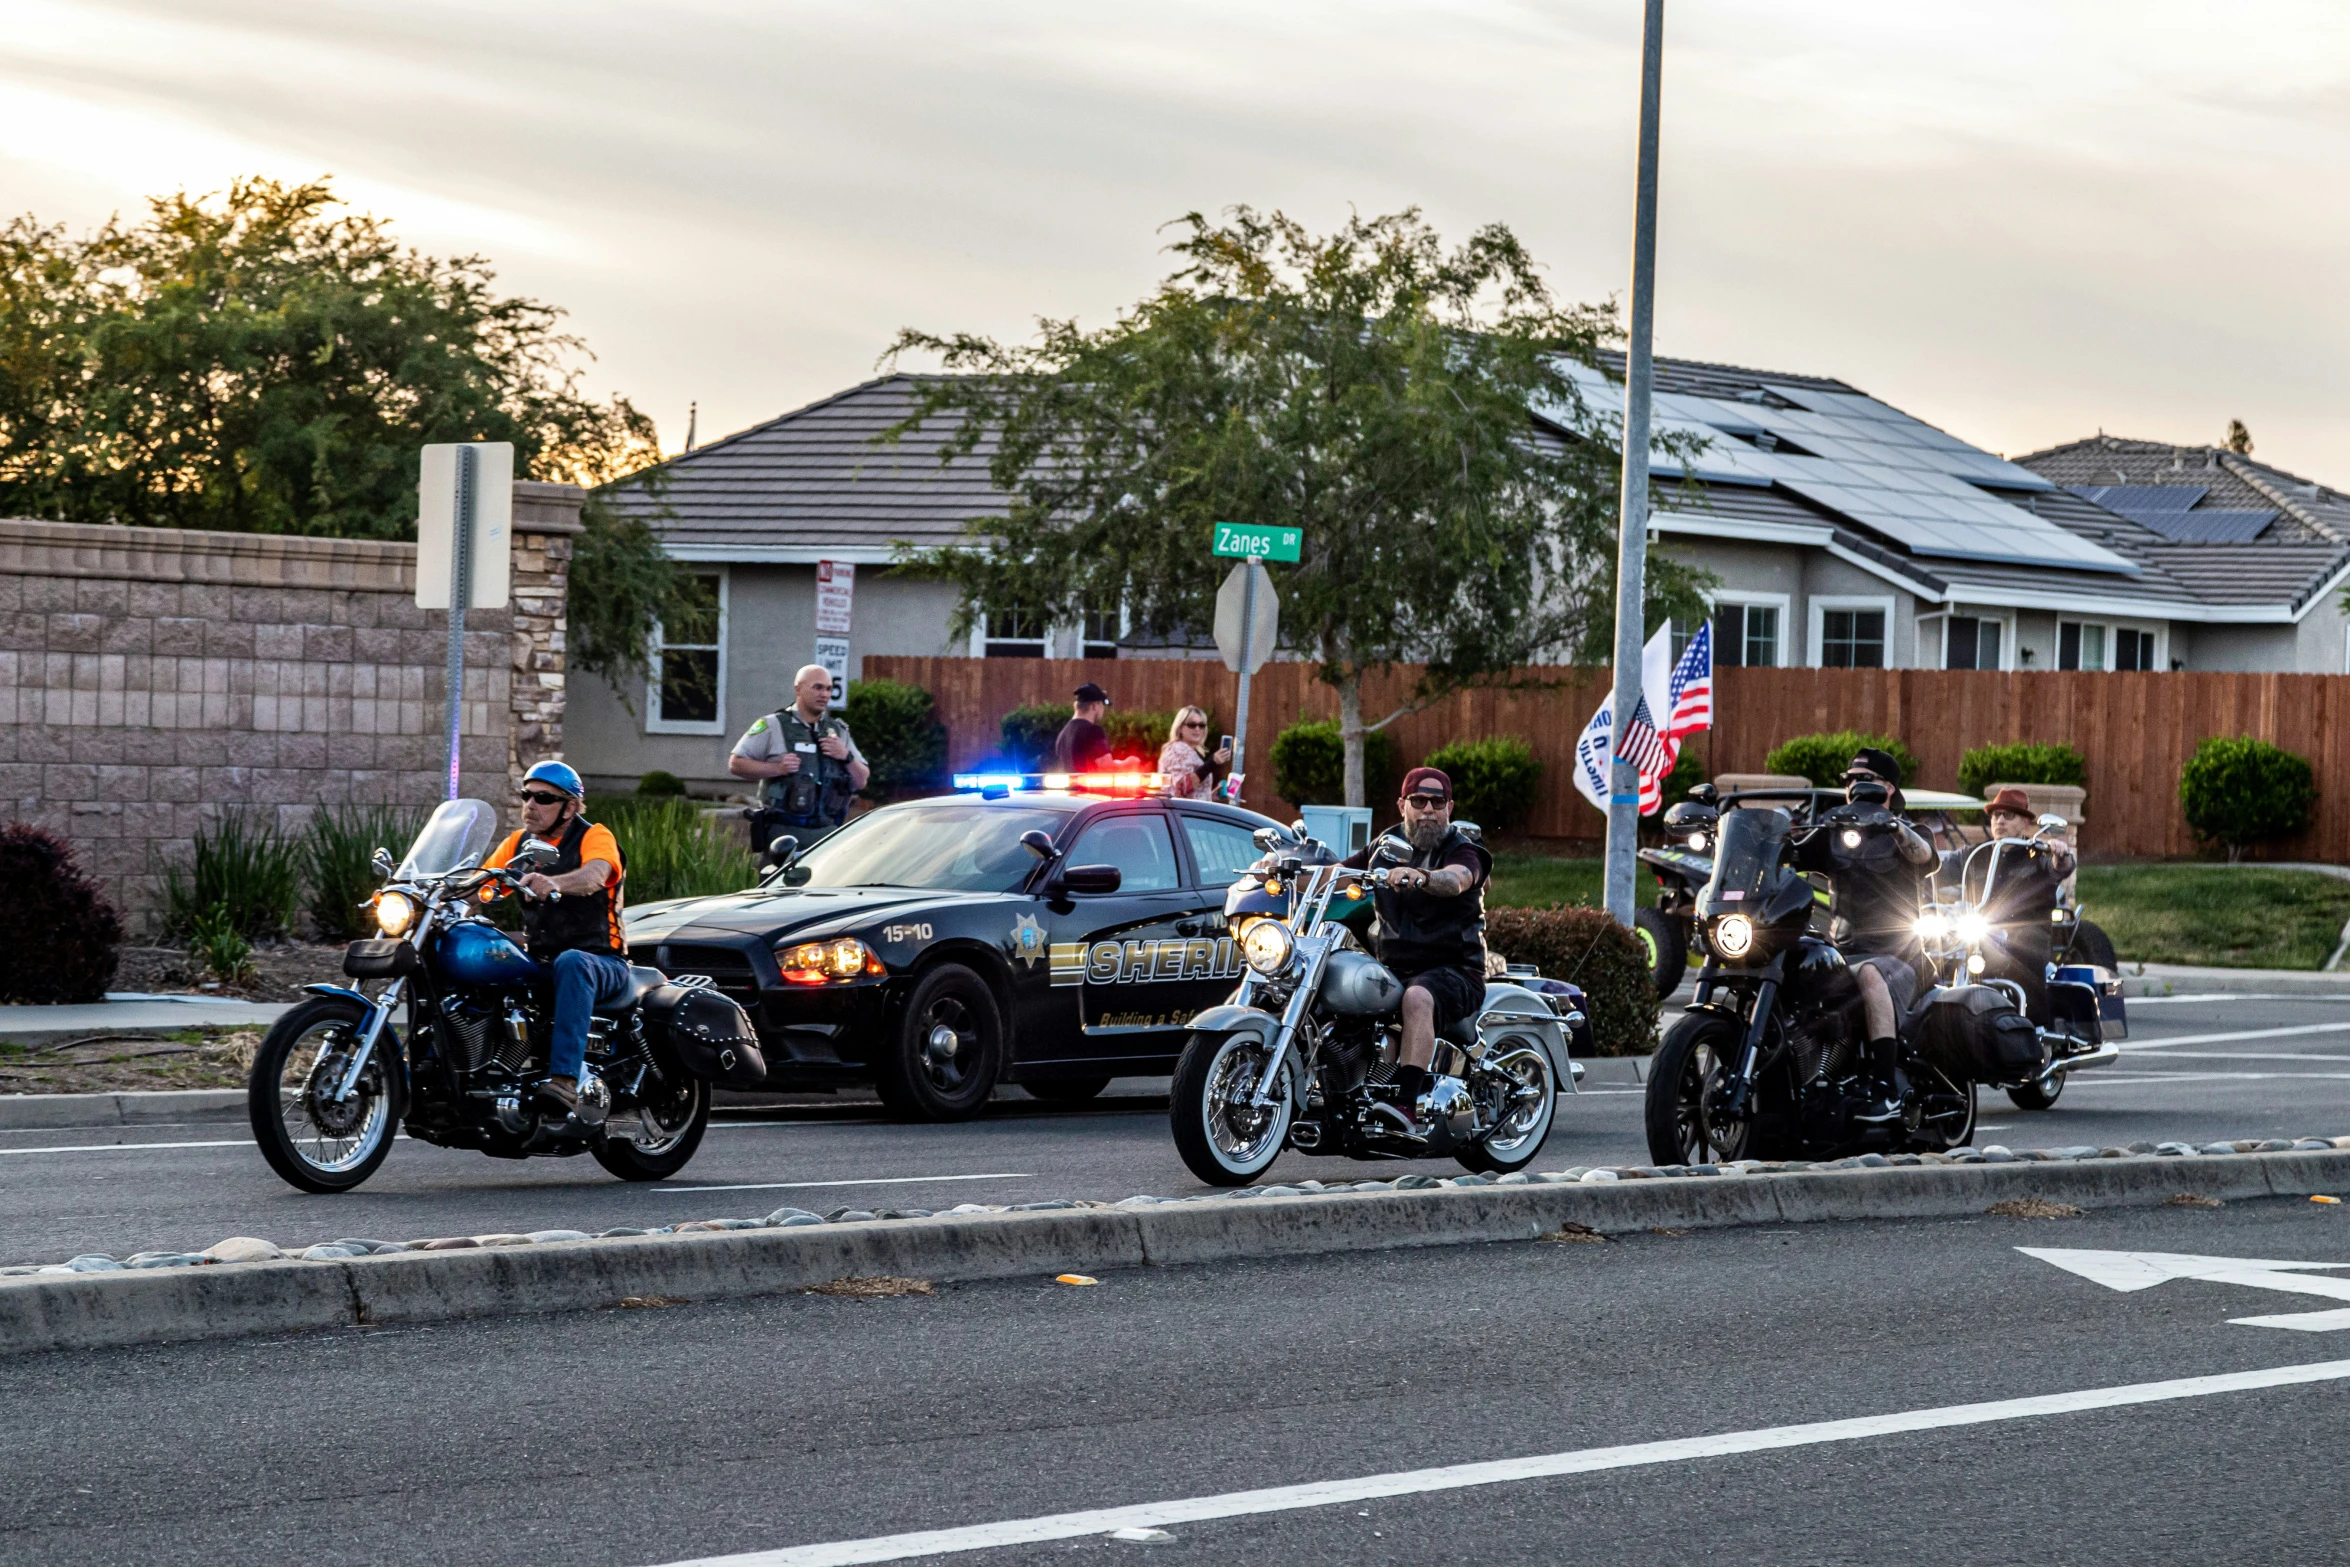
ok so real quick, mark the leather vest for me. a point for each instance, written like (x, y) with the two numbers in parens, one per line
(582, 921)
(1419, 932)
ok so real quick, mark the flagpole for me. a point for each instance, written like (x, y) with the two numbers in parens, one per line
(1623, 810)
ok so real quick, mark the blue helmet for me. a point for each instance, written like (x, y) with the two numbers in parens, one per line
(559, 774)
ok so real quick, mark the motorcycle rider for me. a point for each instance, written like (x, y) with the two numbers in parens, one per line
(1876, 862)
(1431, 929)
(570, 918)
(2015, 894)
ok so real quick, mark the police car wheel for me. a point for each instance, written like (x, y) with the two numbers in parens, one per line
(949, 1050)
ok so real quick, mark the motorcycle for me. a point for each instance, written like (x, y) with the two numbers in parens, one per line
(1296, 1057)
(2078, 1012)
(335, 1077)
(1769, 1061)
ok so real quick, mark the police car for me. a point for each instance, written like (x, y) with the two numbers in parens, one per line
(1040, 929)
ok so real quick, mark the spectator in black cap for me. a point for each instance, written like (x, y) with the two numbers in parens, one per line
(1083, 745)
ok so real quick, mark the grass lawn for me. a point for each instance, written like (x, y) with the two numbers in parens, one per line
(2243, 916)
(1527, 881)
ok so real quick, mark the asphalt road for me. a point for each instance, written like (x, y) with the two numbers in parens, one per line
(643, 1437)
(2198, 1070)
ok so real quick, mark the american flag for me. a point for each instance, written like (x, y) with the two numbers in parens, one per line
(1643, 747)
(1689, 693)
(1686, 697)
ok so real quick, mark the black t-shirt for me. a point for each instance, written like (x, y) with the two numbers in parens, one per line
(1876, 889)
(1419, 931)
(1082, 746)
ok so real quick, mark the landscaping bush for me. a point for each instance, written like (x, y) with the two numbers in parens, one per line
(898, 729)
(1145, 734)
(2245, 791)
(1493, 780)
(1309, 766)
(1823, 758)
(59, 937)
(1028, 732)
(658, 782)
(2021, 763)
(243, 865)
(1588, 948)
(669, 850)
(338, 853)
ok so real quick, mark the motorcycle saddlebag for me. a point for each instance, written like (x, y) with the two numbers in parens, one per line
(379, 957)
(710, 1035)
(1974, 1032)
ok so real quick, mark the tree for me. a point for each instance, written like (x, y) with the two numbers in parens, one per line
(1369, 387)
(2239, 438)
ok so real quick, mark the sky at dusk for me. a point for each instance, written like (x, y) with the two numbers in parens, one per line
(2022, 220)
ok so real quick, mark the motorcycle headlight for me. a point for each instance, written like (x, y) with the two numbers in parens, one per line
(1267, 946)
(1852, 837)
(1973, 927)
(1733, 935)
(1933, 926)
(1974, 963)
(394, 913)
(1697, 842)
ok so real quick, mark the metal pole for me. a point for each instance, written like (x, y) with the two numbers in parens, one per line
(460, 595)
(1248, 653)
(1623, 809)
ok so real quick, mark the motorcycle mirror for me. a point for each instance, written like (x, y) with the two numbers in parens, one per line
(2050, 821)
(1037, 843)
(1704, 793)
(1390, 853)
(539, 852)
(383, 862)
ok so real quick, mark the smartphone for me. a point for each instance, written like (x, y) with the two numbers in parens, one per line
(1224, 743)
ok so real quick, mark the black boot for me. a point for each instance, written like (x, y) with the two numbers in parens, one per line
(1891, 1087)
(1410, 1083)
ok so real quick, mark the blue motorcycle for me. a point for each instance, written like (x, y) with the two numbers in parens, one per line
(338, 1077)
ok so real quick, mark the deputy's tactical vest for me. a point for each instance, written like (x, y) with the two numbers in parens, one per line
(1418, 931)
(818, 794)
(580, 921)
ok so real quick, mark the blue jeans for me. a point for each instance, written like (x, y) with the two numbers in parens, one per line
(583, 981)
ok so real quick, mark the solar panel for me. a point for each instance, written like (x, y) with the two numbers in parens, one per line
(2130, 499)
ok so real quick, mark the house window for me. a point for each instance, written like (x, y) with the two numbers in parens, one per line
(1852, 638)
(2133, 649)
(2081, 644)
(689, 663)
(1102, 629)
(1746, 635)
(1013, 634)
(1972, 643)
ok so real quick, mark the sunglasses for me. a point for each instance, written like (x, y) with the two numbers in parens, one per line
(1426, 802)
(536, 798)
(1195, 723)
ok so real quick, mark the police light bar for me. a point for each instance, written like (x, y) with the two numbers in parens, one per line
(1079, 783)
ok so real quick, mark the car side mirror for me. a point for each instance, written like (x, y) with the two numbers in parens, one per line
(1089, 879)
(383, 862)
(783, 850)
(1038, 843)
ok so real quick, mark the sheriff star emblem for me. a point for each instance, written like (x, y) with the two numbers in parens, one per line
(1027, 940)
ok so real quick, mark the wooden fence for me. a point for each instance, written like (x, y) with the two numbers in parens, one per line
(2135, 729)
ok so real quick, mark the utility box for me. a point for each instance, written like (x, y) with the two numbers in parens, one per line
(1345, 828)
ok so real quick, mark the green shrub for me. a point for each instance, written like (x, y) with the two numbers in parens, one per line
(245, 866)
(897, 728)
(658, 782)
(1027, 733)
(2245, 791)
(669, 850)
(1586, 947)
(1309, 766)
(1686, 775)
(1493, 780)
(338, 854)
(213, 941)
(2021, 763)
(59, 938)
(1823, 758)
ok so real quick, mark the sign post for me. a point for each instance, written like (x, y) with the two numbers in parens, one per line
(1248, 617)
(464, 552)
(836, 592)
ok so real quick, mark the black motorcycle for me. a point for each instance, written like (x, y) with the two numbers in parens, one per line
(337, 1075)
(1770, 1060)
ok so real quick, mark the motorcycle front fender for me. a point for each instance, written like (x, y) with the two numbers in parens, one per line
(1228, 1019)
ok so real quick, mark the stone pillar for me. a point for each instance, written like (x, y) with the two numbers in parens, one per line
(546, 520)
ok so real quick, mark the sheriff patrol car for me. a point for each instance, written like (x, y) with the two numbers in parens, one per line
(1050, 931)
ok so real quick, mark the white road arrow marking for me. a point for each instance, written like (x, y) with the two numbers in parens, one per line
(2138, 1270)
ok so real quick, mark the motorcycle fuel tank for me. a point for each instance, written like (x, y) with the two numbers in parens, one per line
(1355, 984)
(475, 952)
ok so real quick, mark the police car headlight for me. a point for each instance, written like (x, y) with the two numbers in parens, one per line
(394, 913)
(822, 962)
(1733, 935)
(1267, 946)
(1973, 927)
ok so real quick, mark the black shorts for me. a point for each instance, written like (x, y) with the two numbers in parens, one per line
(1457, 992)
(1900, 976)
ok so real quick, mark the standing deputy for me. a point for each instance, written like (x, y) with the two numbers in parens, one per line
(805, 757)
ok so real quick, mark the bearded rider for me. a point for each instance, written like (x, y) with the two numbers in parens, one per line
(1431, 929)
(1877, 863)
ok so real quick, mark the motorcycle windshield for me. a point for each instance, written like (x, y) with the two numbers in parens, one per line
(456, 838)
(1746, 853)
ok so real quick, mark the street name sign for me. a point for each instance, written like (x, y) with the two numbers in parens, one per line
(1255, 541)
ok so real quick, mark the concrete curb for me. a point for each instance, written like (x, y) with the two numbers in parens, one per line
(145, 1107)
(115, 1309)
(2178, 979)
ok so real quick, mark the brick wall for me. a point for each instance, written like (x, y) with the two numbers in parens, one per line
(152, 678)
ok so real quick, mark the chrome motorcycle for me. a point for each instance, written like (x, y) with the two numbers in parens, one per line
(337, 1077)
(1297, 1057)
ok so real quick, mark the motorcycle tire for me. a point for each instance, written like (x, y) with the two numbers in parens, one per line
(1665, 942)
(344, 1144)
(668, 1137)
(1223, 1143)
(1067, 1090)
(1696, 1052)
(2039, 1095)
(1518, 1140)
(948, 1051)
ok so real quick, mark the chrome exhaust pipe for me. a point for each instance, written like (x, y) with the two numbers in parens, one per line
(2104, 1055)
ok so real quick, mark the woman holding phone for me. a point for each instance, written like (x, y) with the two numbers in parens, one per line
(1186, 760)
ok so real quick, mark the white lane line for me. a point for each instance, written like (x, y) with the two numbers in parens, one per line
(2224, 1039)
(2210, 996)
(887, 1180)
(2241, 1055)
(241, 1142)
(2100, 1076)
(1412, 1482)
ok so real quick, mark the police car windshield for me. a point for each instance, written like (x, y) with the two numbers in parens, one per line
(964, 847)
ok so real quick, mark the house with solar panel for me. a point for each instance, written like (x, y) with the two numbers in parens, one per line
(1841, 532)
